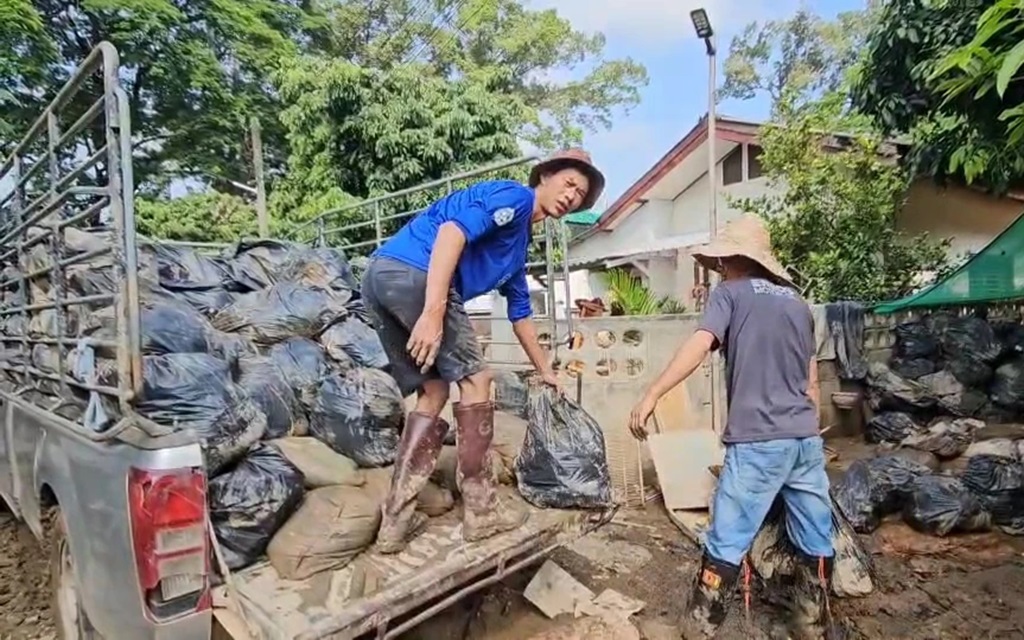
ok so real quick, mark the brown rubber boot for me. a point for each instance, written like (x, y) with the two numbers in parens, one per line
(483, 514)
(417, 457)
(713, 591)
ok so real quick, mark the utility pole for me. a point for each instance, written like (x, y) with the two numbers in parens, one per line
(262, 219)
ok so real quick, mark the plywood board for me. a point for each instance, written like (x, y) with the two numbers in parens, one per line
(673, 410)
(681, 460)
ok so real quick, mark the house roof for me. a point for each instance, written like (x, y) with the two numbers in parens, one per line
(586, 218)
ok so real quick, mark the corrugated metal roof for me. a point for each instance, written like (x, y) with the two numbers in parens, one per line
(648, 248)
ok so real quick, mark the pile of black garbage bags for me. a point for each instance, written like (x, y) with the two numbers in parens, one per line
(945, 410)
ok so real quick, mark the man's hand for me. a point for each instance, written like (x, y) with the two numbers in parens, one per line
(639, 416)
(425, 339)
(549, 378)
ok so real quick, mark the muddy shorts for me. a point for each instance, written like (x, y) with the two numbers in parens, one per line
(394, 294)
(755, 473)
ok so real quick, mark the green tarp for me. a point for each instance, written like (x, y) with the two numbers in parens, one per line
(994, 274)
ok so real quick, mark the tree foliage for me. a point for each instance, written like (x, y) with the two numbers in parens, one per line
(203, 217)
(834, 225)
(931, 74)
(801, 57)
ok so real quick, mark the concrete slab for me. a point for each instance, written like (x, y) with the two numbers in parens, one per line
(555, 592)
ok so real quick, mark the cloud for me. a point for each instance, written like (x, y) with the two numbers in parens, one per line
(653, 22)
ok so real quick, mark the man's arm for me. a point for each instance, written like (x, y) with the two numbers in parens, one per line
(813, 388)
(526, 334)
(444, 258)
(686, 360)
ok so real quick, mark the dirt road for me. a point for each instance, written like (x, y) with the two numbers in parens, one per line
(960, 587)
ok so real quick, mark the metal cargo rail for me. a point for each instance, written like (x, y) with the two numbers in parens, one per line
(72, 171)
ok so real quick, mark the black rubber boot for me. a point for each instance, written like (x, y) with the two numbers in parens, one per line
(811, 605)
(713, 591)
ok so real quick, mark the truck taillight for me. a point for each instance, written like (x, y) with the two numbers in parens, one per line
(169, 536)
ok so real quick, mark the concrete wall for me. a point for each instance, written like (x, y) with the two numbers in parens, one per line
(970, 218)
(650, 222)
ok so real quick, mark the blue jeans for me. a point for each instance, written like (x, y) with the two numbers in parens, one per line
(754, 473)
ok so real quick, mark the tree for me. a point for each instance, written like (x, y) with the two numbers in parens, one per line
(199, 217)
(931, 75)
(502, 44)
(835, 224)
(805, 56)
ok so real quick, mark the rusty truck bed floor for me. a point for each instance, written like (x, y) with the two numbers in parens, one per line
(435, 562)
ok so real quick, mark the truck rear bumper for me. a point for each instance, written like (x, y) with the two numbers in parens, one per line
(436, 570)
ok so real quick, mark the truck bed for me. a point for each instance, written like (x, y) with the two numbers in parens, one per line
(437, 569)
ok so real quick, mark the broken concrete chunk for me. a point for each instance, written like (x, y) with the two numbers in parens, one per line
(555, 592)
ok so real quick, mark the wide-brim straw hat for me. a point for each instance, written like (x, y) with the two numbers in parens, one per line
(744, 237)
(577, 159)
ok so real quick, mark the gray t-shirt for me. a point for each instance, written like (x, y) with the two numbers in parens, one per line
(767, 335)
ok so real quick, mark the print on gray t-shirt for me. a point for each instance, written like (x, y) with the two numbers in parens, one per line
(767, 335)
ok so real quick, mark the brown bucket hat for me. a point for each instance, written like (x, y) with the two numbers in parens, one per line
(745, 237)
(577, 159)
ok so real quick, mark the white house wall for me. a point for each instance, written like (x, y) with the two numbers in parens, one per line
(635, 234)
(690, 208)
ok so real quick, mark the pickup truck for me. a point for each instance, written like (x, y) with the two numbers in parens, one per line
(123, 510)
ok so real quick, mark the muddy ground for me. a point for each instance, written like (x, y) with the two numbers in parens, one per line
(927, 588)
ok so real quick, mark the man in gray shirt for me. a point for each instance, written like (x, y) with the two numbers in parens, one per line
(772, 446)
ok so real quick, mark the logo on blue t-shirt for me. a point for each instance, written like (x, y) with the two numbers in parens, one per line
(504, 216)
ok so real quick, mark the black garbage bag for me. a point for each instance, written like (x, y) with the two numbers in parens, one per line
(940, 505)
(998, 483)
(174, 328)
(889, 391)
(915, 340)
(264, 382)
(774, 557)
(562, 464)
(971, 373)
(1011, 335)
(181, 268)
(322, 267)
(353, 340)
(304, 365)
(360, 415)
(511, 394)
(874, 488)
(256, 264)
(1007, 388)
(946, 438)
(913, 368)
(970, 338)
(283, 311)
(357, 309)
(890, 426)
(194, 391)
(206, 300)
(249, 503)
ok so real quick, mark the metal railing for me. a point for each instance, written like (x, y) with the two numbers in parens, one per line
(70, 172)
(361, 227)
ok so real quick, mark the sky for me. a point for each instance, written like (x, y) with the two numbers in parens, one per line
(659, 35)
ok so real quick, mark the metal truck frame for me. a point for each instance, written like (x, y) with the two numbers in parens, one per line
(123, 511)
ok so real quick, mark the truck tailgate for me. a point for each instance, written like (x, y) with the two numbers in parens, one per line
(436, 562)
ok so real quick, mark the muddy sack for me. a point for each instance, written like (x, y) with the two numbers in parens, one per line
(913, 368)
(888, 391)
(360, 415)
(249, 503)
(1007, 388)
(304, 365)
(194, 391)
(998, 483)
(322, 267)
(890, 426)
(562, 464)
(283, 311)
(946, 438)
(320, 465)
(255, 264)
(941, 505)
(353, 340)
(264, 383)
(774, 557)
(874, 488)
(182, 268)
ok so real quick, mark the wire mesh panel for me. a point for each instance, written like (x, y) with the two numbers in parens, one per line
(68, 259)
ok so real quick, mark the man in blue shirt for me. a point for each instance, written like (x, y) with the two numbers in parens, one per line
(466, 244)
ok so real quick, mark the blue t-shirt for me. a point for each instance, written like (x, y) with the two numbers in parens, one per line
(495, 218)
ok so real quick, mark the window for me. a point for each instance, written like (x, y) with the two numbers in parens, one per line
(754, 162)
(732, 166)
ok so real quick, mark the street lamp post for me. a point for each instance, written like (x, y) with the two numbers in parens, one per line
(702, 25)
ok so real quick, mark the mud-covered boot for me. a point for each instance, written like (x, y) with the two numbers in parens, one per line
(712, 593)
(417, 457)
(810, 604)
(483, 514)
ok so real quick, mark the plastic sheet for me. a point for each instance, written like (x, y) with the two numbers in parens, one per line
(285, 310)
(940, 505)
(360, 415)
(562, 464)
(194, 391)
(265, 384)
(874, 488)
(998, 483)
(304, 365)
(249, 503)
(352, 341)
(891, 426)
